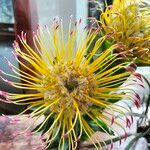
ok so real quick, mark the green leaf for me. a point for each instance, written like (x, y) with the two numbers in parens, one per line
(47, 125)
(99, 125)
(84, 136)
(113, 100)
(105, 127)
(66, 145)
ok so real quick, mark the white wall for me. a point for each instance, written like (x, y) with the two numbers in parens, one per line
(48, 9)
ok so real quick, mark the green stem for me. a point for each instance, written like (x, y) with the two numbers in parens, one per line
(136, 138)
(108, 141)
(148, 101)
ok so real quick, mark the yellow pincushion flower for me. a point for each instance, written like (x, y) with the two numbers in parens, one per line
(129, 22)
(68, 88)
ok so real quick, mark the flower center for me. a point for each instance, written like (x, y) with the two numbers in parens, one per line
(71, 85)
(67, 85)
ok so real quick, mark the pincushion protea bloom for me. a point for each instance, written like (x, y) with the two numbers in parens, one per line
(128, 22)
(69, 89)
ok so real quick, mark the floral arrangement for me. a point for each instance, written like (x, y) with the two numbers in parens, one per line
(72, 84)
